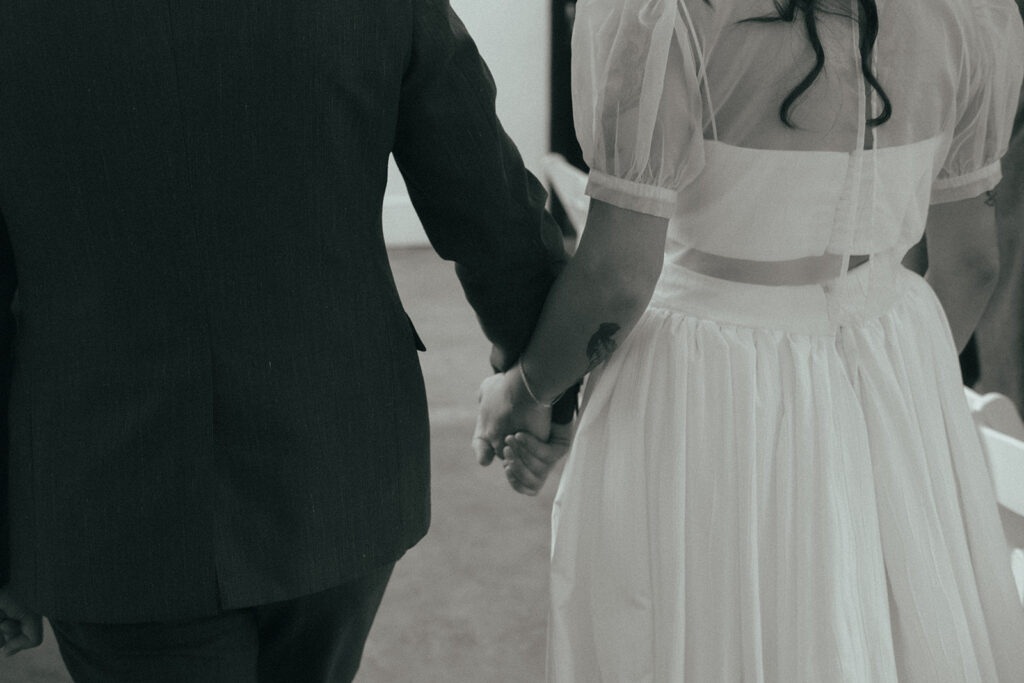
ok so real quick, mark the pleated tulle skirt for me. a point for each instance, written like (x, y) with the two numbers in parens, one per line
(782, 484)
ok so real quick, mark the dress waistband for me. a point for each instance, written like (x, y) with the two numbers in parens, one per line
(868, 290)
(812, 270)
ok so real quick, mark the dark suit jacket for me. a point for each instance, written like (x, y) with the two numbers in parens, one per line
(215, 398)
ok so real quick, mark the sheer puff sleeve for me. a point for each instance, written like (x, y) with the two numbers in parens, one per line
(993, 69)
(636, 102)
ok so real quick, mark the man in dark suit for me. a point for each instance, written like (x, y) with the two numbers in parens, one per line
(218, 440)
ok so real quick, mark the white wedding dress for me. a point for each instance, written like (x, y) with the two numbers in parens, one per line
(783, 483)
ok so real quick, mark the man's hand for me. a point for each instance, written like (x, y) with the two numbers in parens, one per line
(528, 461)
(506, 407)
(20, 629)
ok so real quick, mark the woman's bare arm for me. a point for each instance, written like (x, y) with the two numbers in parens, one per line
(963, 260)
(597, 299)
(593, 305)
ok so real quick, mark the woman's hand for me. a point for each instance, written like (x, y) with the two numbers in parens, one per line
(506, 407)
(528, 460)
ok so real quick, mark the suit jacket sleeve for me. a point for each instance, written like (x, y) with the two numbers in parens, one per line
(479, 205)
(8, 285)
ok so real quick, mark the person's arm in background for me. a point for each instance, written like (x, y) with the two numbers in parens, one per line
(20, 628)
(962, 261)
(961, 240)
(479, 205)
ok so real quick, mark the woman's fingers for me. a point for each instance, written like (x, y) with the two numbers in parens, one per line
(488, 420)
(483, 451)
(501, 413)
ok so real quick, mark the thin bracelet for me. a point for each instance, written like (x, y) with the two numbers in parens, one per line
(522, 373)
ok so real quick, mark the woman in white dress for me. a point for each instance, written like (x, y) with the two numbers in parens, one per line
(775, 476)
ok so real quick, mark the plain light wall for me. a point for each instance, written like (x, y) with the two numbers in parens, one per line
(514, 39)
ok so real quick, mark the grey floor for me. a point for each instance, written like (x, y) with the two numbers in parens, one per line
(468, 604)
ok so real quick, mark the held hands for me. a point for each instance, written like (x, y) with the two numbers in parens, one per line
(506, 407)
(517, 428)
(20, 629)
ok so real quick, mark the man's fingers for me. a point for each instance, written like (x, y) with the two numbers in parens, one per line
(548, 453)
(520, 476)
(518, 486)
(526, 458)
(537, 456)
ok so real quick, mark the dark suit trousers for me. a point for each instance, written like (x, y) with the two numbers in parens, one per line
(316, 638)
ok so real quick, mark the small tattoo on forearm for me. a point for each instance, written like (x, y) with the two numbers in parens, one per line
(601, 345)
(990, 197)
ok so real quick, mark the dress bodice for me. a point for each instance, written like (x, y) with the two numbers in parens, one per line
(778, 205)
(680, 108)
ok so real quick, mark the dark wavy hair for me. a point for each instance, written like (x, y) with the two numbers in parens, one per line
(808, 11)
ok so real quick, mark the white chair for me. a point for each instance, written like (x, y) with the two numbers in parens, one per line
(1002, 436)
(1017, 562)
(997, 412)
